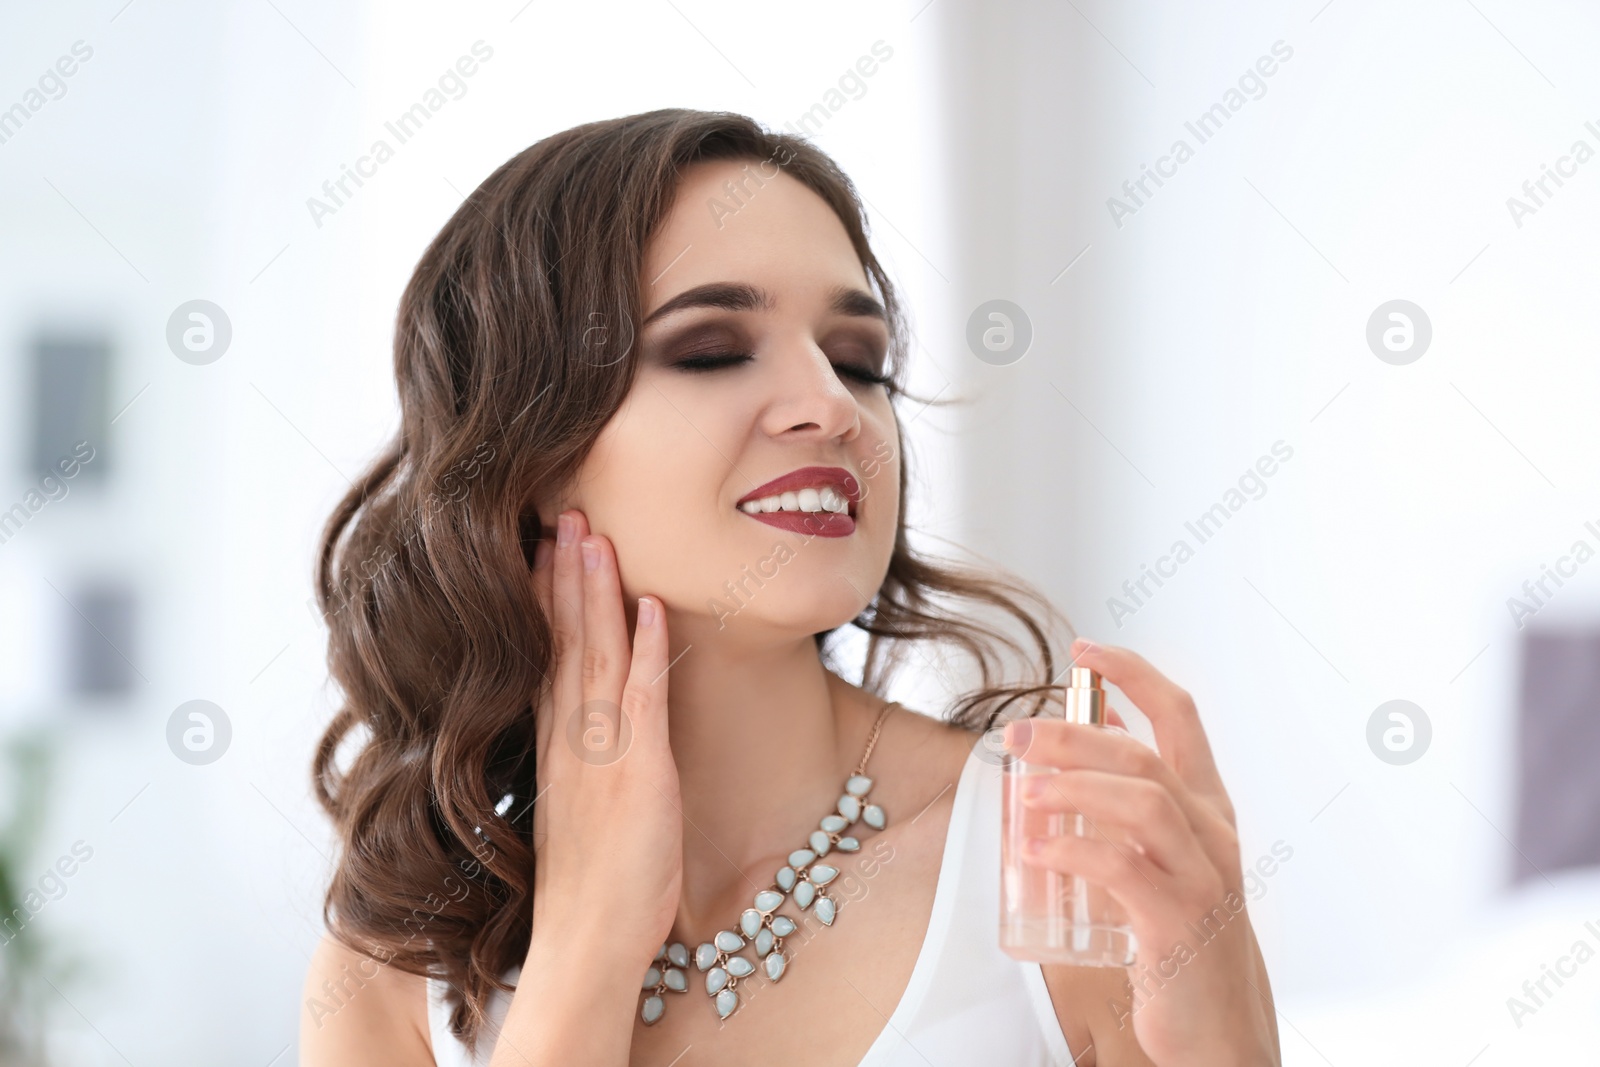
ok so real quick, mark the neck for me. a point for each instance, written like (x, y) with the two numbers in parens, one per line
(763, 737)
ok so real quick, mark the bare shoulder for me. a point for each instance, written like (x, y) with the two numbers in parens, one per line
(355, 1010)
(1093, 1005)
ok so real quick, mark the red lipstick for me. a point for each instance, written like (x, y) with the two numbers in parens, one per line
(822, 523)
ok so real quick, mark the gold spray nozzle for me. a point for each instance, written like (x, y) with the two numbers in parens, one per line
(1085, 700)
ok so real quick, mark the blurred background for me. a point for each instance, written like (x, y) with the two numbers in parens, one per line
(1264, 343)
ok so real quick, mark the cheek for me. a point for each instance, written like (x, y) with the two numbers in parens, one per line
(651, 485)
(638, 473)
(881, 472)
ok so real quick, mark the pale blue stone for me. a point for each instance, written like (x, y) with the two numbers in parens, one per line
(775, 965)
(716, 978)
(825, 910)
(652, 978)
(662, 951)
(727, 1000)
(764, 941)
(766, 900)
(738, 966)
(782, 925)
(803, 894)
(874, 817)
(858, 785)
(801, 856)
(822, 874)
(728, 941)
(785, 878)
(653, 1007)
(705, 955)
(820, 843)
(847, 844)
(678, 954)
(850, 807)
(833, 823)
(750, 921)
(676, 980)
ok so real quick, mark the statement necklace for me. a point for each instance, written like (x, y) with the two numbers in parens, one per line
(721, 958)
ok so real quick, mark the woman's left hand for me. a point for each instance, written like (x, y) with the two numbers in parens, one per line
(1164, 844)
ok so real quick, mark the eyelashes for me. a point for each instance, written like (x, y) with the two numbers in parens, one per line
(718, 361)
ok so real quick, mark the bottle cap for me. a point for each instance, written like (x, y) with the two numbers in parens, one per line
(1085, 700)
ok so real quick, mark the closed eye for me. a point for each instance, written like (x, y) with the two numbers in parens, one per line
(701, 364)
(712, 362)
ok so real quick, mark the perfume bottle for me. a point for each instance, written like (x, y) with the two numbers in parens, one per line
(1046, 916)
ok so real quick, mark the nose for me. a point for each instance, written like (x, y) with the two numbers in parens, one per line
(808, 398)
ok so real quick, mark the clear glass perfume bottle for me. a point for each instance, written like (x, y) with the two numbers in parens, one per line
(1046, 916)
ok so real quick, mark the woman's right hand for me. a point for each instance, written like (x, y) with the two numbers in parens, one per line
(608, 823)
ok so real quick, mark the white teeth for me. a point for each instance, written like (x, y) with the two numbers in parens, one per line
(826, 499)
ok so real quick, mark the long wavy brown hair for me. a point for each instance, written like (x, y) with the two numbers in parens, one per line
(512, 350)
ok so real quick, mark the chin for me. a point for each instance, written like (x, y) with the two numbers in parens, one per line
(780, 608)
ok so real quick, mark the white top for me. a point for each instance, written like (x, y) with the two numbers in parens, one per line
(967, 1001)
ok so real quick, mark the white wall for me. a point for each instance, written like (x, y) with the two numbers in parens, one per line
(1230, 312)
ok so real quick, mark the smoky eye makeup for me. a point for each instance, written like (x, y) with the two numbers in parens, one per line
(858, 351)
(862, 348)
(696, 340)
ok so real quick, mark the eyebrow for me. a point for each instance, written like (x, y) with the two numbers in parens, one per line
(737, 296)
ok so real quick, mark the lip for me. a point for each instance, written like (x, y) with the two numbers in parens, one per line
(820, 523)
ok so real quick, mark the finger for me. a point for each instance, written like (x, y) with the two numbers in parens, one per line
(1171, 711)
(1132, 812)
(1069, 746)
(605, 625)
(567, 593)
(1136, 883)
(543, 553)
(644, 698)
(1162, 914)
(1072, 745)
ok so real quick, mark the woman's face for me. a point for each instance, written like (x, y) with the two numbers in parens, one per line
(755, 283)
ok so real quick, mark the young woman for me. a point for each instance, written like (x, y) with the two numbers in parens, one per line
(584, 612)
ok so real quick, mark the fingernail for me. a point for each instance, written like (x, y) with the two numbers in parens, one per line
(564, 530)
(1018, 733)
(1033, 846)
(647, 611)
(591, 555)
(1034, 788)
(1086, 645)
